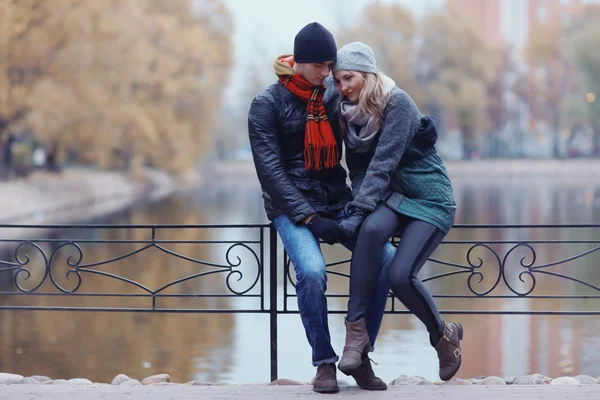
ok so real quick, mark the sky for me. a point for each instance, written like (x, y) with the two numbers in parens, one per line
(264, 29)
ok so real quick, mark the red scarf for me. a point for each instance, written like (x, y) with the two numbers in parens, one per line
(320, 147)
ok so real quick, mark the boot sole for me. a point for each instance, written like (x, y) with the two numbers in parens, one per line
(349, 371)
(364, 387)
(372, 387)
(326, 390)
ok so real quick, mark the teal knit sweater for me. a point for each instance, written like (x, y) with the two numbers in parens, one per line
(411, 179)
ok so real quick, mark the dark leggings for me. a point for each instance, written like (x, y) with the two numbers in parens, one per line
(419, 240)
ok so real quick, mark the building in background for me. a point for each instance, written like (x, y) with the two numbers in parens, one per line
(510, 25)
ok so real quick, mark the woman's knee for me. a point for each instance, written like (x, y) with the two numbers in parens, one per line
(372, 230)
(399, 280)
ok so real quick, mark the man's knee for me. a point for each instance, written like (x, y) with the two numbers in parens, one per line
(389, 252)
(312, 271)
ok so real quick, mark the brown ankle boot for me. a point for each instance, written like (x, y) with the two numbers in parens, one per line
(448, 349)
(357, 345)
(365, 377)
(326, 380)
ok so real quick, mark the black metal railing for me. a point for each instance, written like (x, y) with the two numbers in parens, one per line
(70, 268)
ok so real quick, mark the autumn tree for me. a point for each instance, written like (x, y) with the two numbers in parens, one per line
(582, 36)
(122, 83)
(507, 98)
(390, 30)
(251, 76)
(549, 77)
(455, 68)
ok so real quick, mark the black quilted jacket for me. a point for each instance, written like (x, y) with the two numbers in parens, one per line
(276, 123)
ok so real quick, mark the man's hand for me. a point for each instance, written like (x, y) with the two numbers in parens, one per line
(327, 229)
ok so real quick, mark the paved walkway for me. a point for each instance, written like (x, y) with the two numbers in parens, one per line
(263, 392)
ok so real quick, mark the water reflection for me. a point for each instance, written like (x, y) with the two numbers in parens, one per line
(234, 348)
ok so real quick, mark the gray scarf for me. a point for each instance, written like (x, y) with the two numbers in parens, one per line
(362, 128)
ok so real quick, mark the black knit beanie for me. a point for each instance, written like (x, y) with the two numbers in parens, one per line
(314, 44)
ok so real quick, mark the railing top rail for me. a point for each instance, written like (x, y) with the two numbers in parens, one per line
(266, 225)
(525, 226)
(142, 226)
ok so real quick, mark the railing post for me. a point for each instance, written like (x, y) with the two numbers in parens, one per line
(273, 258)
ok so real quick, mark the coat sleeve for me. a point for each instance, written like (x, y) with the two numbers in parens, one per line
(266, 152)
(402, 120)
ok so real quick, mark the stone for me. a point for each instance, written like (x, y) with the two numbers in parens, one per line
(194, 383)
(404, 380)
(131, 382)
(541, 379)
(10, 379)
(510, 380)
(340, 382)
(120, 379)
(30, 381)
(41, 378)
(154, 379)
(166, 384)
(565, 380)
(525, 380)
(492, 380)
(458, 382)
(284, 382)
(425, 382)
(80, 381)
(585, 379)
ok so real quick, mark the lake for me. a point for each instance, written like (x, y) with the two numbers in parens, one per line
(234, 348)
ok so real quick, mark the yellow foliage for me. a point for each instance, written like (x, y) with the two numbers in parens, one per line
(142, 77)
(439, 61)
(389, 30)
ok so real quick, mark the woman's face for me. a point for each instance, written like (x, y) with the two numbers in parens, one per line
(349, 83)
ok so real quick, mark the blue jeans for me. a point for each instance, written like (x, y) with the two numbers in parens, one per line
(311, 283)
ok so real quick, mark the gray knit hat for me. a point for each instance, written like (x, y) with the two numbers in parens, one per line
(355, 56)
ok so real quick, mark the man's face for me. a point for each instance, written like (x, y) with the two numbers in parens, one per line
(315, 73)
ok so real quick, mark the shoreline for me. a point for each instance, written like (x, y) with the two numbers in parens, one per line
(81, 194)
(403, 380)
(571, 170)
(75, 195)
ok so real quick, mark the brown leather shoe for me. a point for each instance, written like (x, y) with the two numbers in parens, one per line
(357, 345)
(365, 377)
(448, 349)
(326, 380)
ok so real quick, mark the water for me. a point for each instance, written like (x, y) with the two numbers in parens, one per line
(234, 348)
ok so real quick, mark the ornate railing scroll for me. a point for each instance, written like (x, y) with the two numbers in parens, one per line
(76, 261)
(498, 273)
(521, 266)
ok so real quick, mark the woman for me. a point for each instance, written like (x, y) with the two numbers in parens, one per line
(399, 184)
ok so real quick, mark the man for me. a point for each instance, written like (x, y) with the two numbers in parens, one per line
(296, 144)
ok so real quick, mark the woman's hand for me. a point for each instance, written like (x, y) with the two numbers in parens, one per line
(354, 219)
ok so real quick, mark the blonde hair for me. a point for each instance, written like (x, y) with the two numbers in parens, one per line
(371, 99)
